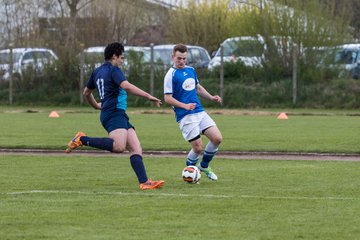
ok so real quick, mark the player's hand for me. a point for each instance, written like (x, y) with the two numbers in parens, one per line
(155, 100)
(217, 98)
(190, 106)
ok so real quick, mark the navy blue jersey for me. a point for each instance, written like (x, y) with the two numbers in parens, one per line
(107, 79)
(181, 83)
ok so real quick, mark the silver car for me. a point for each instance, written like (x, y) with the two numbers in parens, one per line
(94, 56)
(247, 49)
(197, 56)
(24, 59)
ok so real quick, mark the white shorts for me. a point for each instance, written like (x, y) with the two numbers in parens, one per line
(193, 125)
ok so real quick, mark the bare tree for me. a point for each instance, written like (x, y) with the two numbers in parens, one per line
(72, 7)
(18, 27)
(206, 24)
(119, 20)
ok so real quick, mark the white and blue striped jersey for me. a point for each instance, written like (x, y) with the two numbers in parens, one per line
(182, 83)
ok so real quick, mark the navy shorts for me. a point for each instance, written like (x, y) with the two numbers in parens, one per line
(115, 120)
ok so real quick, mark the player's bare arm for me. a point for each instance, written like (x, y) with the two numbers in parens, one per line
(87, 93)
(169, 99)
(205, 94)
(131, 88)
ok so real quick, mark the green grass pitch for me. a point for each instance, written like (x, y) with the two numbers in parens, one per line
(73, 197)
(319, 133)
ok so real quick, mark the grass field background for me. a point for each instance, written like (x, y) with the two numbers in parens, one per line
(97, 197)
(319, 132)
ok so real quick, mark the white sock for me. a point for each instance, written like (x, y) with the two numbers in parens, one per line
(211, 147)
(192, 158)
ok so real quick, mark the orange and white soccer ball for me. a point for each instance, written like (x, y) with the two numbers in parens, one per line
(191, 174)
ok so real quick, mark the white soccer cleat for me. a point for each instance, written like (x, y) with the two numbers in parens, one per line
(209, 173)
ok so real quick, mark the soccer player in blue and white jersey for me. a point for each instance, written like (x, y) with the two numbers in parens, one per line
(181, 90)
(112, 87)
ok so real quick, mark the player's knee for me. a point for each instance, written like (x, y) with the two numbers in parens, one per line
(217, 141)
(198, 148)
(137, 150)
(118, 149)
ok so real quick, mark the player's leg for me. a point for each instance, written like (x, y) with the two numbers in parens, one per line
(134, 147)
(196, 150)
(189, 127)
(211, 131)
(215, 138)
(116, 125)
(119, 138)
(136, 160)
(133, 144)
(81, 139)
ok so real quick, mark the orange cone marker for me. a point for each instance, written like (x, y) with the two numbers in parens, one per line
(54, 114)
(282, 116)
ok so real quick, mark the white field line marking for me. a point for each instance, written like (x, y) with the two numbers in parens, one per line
(177, 195)
(116, 193)
(298, 197)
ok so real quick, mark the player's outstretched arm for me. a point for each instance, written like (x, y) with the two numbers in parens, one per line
(131, 88)
(205, 94)
(169, 99)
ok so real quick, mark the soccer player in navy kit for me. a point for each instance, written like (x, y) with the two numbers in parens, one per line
(112, 87)
(181, 90)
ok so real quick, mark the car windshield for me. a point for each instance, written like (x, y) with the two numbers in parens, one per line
(5, 57)
(345, 56)
(144, 55)
(243, 48)
(324, 55)
(164, 55)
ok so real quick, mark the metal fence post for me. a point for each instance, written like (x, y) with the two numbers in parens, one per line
(81, 82)
(294, 74)
(152, 69)
(222, 73)
(11, 67)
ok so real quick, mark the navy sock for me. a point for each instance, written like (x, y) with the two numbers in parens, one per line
(139, 168)
(191, 162)
(100, 143)
(210, 151)
(206, 159)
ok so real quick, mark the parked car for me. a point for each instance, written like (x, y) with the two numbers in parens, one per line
(347, 58)
(94, 56)
(343, 58)
(247, 49)
(24, 59)
(197, 56)
(321, 57)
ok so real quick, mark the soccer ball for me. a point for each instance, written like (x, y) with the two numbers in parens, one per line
(191, 174)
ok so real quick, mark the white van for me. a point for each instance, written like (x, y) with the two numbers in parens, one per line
(247, 49)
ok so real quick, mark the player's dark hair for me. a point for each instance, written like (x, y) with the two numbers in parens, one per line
(113, 48)
(180, 48)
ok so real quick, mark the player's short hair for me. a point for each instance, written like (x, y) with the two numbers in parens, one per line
(113, 48)
(180, 48)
